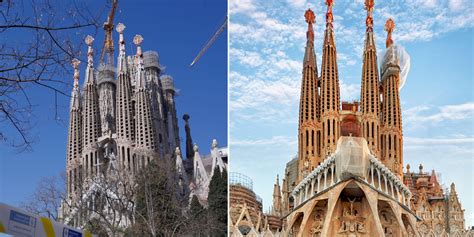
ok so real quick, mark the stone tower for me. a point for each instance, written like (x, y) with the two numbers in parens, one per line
(144, 126)
(74, 142)
(91, 117)
(152, 72)
(330, 97)
(189, 139)
(370, 95)
(171, 118)
(309, 129)
(125, 127)
(277, 204)
(391, 132)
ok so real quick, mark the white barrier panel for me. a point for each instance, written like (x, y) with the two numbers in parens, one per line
(16, 222)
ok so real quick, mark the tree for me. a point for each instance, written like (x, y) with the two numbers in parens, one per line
(217, 203)
(39, 38)
(47, 197)
(158, 209)
(197, 218)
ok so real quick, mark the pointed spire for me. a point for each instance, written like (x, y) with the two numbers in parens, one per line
(122, 59)
(310, 19)
(389, 27)
(90, 60)
(309, 56)
(189, 139)
(369, 21)
(137, 40)
(329, 16)
(75, 91)
(75, 64)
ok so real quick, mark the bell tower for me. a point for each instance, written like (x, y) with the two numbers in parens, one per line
(370, 94)
(391, 132)
(330, 94)
(309, 129)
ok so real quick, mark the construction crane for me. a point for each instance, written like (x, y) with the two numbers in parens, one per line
(210, 42)
(108, 47)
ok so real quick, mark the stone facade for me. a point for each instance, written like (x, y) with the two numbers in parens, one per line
(124, 118)
(348, 178)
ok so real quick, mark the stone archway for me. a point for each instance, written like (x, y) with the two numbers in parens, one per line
(295, 225)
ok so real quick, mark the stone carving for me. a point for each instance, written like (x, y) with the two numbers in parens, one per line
(352, 225)
(318, 222)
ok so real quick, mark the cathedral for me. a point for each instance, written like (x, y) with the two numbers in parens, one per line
(348, 178)
(123, 118)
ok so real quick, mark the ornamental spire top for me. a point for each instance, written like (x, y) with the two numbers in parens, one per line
(137, 40)
(329, 16)
(90, 51)
(369, 21)
(75, 64)
(120, 28)
(389, 27)
(310, 19)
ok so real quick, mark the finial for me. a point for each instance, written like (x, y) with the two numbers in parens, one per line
(329, 16)
(310, 19)
(421, 168)
(408, 168)
(90, 51)
(178, 151)
(137, 40)
(389, 27)
(195, 147)
(186, 117)
(214, 143)
(369, 21)
(120, 28)
(75, 64)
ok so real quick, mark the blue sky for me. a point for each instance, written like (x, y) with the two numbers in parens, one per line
(176, 30)
(267, 42)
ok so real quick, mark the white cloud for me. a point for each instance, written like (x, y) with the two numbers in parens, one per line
(273, 141)
(444, 113)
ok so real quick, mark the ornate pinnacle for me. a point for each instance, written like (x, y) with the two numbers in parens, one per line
(75, 64)
(329, 17)
(369, 21)
(120, 28)
(195, 148)
(389, 27)
(90, 51)
(310, 19)
(178, 151)
(137, 40)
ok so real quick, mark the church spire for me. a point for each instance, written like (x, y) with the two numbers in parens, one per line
(391, 132)
(189, 139)
(124, 120)
(75, 98)
(144, 126)
(308, 128)
(389, 27)
(90, 78)
(370, 94)
(91, 116)
(276, 198)
(74, 141)
(122, 59)
(330, 95)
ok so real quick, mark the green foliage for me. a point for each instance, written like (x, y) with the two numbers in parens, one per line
(217, 203)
